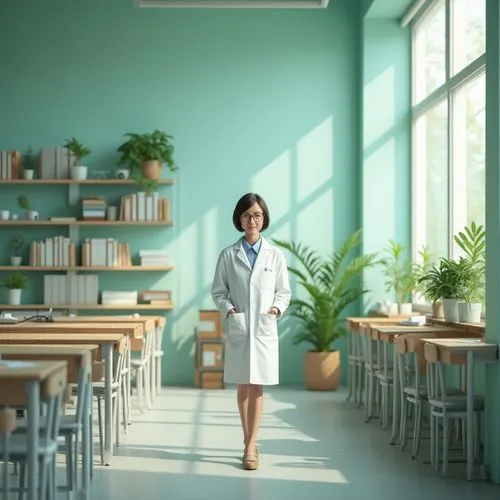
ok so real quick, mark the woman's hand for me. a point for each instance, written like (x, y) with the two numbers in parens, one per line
(274, 310)
(231, 311)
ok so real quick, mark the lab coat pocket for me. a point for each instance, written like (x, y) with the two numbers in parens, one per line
(268, 325)
(236, 328)
(267, 279)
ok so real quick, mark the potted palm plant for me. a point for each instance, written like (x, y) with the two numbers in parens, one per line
(79, 151)
(472, 241)
(146, 154)
(331, 283)
(24, 203)
(428, 291)
(400, 273)
(15, 283)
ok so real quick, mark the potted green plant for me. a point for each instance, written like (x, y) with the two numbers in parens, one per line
(78, 151)
(29, 164)
(15, 283)
(331, 283)
(472, 241)
(17, 244)
(400, 273)
(423, 287)
(24, 203)
(444, 282)
(147, 153)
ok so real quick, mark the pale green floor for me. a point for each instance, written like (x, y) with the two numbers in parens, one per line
(313, 446)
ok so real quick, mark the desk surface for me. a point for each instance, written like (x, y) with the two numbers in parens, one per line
(29, 370)
(462, 344)
(396, 329)
(136, 330)
(60, 338)
(148, 323)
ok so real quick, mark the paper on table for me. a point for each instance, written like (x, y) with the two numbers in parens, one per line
(209, 358)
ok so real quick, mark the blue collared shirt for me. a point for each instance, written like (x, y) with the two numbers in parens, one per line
(252, 251)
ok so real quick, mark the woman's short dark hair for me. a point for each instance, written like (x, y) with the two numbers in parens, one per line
(244, 203)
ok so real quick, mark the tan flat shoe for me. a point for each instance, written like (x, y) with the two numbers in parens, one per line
(251, 462)
(256, 455)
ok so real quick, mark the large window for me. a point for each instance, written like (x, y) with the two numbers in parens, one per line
(448, 123)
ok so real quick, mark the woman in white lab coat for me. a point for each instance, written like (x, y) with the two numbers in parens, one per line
(252, 291)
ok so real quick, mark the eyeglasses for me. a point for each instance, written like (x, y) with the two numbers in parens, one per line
(256, 217)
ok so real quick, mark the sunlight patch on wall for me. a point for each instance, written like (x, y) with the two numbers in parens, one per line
(315, 159)
(379, 113)
(209, 246)
(273, 183)
(315, 222)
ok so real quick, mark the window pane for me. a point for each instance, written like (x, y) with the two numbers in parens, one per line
(469, 130)
(431, 180)
(429, 52)
(469, 32)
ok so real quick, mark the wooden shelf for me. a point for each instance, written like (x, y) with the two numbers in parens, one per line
(86, 268)
(89, 182)
(89, 307)
(85, 223)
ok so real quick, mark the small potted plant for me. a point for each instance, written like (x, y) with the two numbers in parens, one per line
(444, 283)
(78, 172)
(400, 273)
(17, 244)
(24, 203)
(147, 153)
(427, 290)
(15, 283)
(29, 164)
(471, 291)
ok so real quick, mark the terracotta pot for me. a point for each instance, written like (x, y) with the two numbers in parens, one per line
(151, 169)
(437, 310)
(322, 370)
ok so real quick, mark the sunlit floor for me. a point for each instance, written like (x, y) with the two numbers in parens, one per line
(313, 446)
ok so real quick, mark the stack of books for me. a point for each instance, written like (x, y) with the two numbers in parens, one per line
(153, 258)
(94, 208)
(57, 251)
(101, 252)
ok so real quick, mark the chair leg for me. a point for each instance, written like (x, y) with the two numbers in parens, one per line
(101, 429)
(140, 389)
(446, 442)
(417, 431)
(404, 424)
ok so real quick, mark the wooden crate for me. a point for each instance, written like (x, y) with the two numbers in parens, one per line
(210, 324)
(209, 379)
(209, 353)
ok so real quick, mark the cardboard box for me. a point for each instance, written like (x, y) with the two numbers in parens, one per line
(209, 354)
(209, 324)
(209, 380)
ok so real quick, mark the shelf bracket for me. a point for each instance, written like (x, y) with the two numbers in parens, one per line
(73, 194)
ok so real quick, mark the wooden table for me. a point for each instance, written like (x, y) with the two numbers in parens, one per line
(386, 335)
(25, 384)
(78, 359)
(449, 349)
(108, 341)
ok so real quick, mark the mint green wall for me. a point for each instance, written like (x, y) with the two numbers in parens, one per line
(257, 100)
(386, 163)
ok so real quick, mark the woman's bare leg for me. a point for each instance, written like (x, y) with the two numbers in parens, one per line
(243, 409)
(255, 405)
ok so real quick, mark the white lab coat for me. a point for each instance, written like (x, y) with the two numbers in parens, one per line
(251, 335)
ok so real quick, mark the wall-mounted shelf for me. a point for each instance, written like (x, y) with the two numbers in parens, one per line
(86, 268)
(102, 182)
(86, 223)
(89, 307)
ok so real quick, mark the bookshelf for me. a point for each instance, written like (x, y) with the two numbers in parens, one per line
(73, 227)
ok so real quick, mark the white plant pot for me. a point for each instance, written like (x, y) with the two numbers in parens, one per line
(78, 172)
(450, 308)
(32, 215)
(392, 309)
(405, 308)
(15, 297)
(4, 214)
(469, 313)
(16, 261)
(29, 174)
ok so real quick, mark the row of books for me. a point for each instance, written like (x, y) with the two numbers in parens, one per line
(10, 164)
(75, 289)
(58, 251)
(144, 206)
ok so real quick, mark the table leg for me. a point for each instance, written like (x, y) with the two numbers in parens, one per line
(87, 441)
(470, 415)
(395, 400)
(33, 393)
(108, 403)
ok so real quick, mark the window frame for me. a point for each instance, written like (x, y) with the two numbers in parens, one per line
(453, 82)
